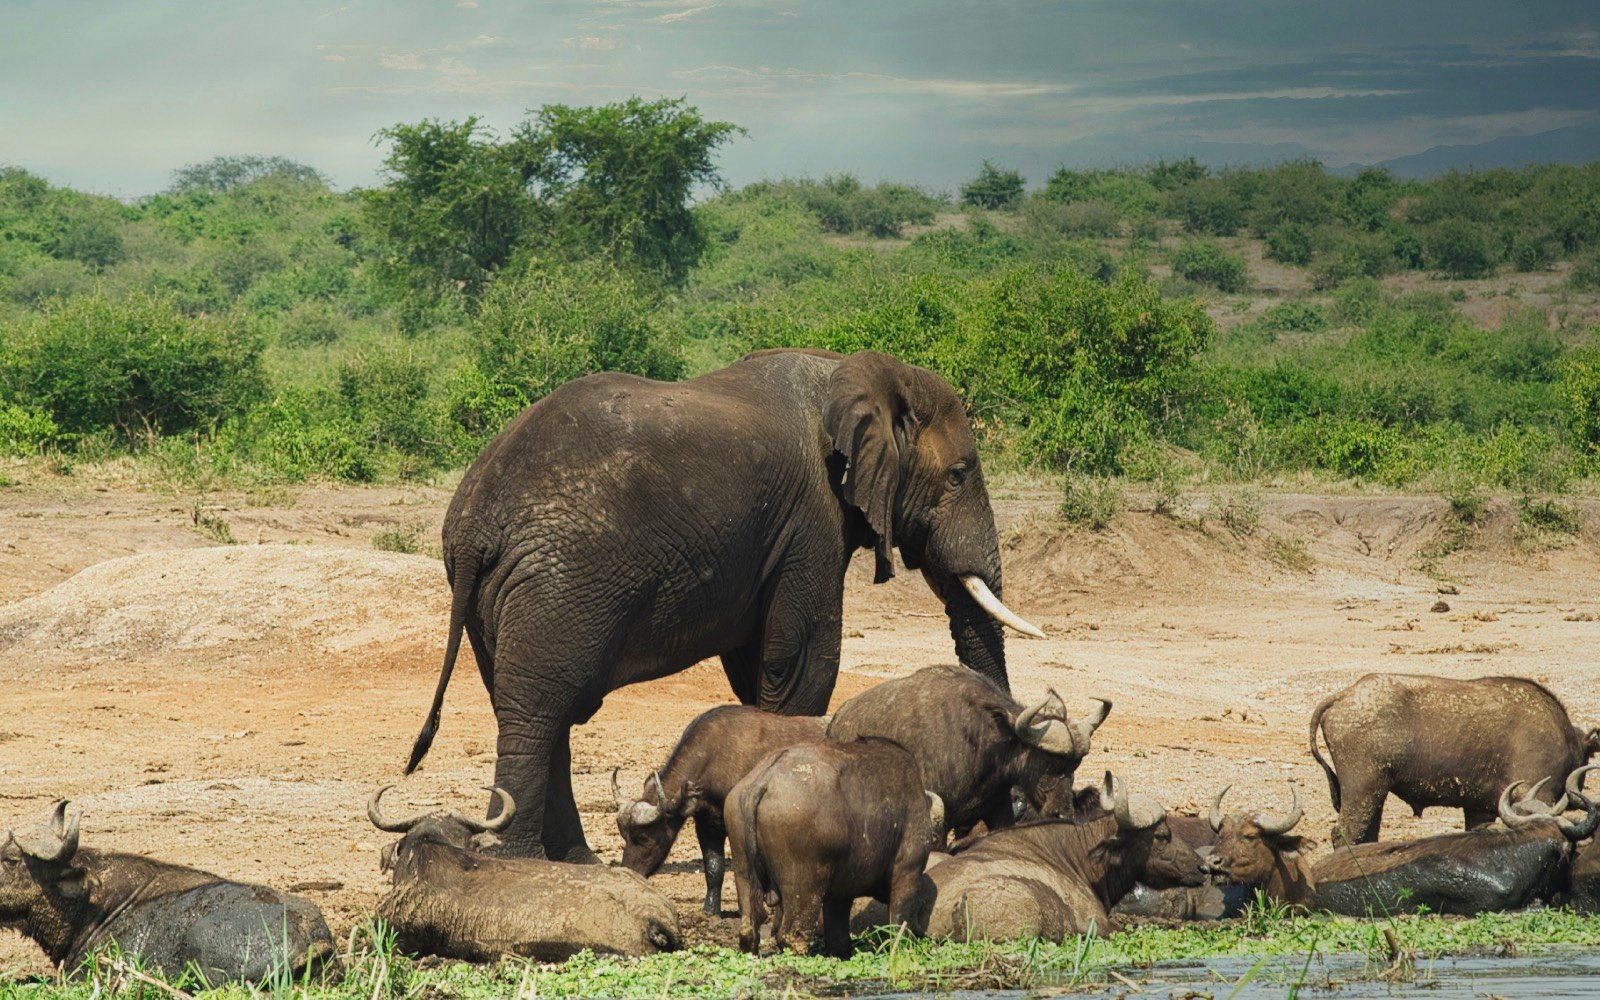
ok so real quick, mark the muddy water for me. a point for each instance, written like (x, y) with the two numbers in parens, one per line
(1348, 977)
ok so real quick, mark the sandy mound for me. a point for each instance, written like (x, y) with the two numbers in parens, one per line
(326, 599)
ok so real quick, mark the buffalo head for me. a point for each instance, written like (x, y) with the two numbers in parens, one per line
(451, 828)
(1251, 846)
(1057, 745)
(649, 826)
(36, 865)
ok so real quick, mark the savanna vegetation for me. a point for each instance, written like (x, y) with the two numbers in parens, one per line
(251, 323)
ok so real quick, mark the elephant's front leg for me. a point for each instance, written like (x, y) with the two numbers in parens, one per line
(800, 644)
(713, 838)
(563, 829)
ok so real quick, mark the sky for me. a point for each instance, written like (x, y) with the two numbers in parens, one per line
(112, 97)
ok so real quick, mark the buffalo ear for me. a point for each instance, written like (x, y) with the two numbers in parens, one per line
(693, 799)
(870, 420)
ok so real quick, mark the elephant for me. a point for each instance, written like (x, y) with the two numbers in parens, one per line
(623, 529)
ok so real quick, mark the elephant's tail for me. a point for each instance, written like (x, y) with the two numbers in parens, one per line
(1316, 724)
(465, 582)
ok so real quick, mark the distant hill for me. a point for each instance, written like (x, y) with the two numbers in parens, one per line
(1575, 144)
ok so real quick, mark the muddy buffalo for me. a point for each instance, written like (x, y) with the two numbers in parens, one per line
(169, 919)
(451, 899)
(1433, 741)
(715, 751)
(814, 827)
(1259, 851)
(1055, 879)
(974, 742)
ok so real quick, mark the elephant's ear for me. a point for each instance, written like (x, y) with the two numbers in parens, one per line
(870, 420)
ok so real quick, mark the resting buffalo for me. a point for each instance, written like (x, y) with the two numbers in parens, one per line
(450, 899)
(716, 750)
(815, 826)
(974, 742)
(1054, 879)
(1259, 852)
(621, 530)
(1433, 741)
(168, 918)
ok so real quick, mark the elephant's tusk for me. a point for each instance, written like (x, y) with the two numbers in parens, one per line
(999, 612)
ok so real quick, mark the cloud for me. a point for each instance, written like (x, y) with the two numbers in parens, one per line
(467, 4)
(593, 43)
(679, 15)
(403, 60)
(333, 57)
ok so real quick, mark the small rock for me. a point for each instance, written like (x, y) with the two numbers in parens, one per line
(1448, 588)
(1439, 607)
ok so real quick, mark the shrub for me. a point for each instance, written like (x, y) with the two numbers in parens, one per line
(135, 366)
(48, 279)
(24, 431)
(1090, 502)
(1585, 274)
(1299, 317)
(1359, 255)
(1208, 206)
(1207, 262)
(1549, 515)
(993, 188)
(383, 399)
(312, 324)
(1580, 389)
(1290, 243)
(1074, 219)
(1460, 248)
(1531, 251)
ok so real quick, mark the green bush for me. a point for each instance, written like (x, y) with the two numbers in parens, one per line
(1585, 274)
(1460, 248)
(135, 366)
(1580, 390)
(1299, 317)
(1090, 502)
(24, 431)
(1358, 255)
(1290, 243)
(1074, 219)
(993, 188)
(1532, 251)
(1208, 206)
(1208, 263)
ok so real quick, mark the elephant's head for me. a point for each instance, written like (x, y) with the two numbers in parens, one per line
(913, 473)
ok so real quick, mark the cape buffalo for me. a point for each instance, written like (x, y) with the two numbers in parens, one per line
(715, 751)
(168, 918)
(974, 742)
(815, 826)
(1055, 879)
(450, 899)
(1481, 870)
(1433, 741)
(1259, 852)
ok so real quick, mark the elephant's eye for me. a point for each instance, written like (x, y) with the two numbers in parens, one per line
(956, 476)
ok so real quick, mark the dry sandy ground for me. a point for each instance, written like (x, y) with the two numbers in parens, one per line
(231, 707)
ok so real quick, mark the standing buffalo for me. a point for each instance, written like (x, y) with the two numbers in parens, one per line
(1055, 879)
(716, 750)
(1433, 741)
(168, 918)
(450, 899)
(815, 826)
(620, 530)
(975, 742)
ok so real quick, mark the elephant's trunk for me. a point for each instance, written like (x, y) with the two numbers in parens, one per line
(980, 640)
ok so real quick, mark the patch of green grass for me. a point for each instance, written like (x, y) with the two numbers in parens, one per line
(1090, 501)
(1545, 524)
(1289, 551)
(211, 526)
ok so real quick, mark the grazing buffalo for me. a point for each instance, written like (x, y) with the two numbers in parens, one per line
(166, 917)
(450, 899)
(1433, 741)
(974, 742)
(815, 826)
(1481, 870)
(1259, 852)
(1055, 879)
(716, 750)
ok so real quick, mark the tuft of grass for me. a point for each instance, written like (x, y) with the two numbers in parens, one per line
(211, 526)
(1289, 551)
(1090, 501)
(1239, 512)
(1545, 524)
(406, 539)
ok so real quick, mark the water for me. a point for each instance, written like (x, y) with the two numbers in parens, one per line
(1344, 977)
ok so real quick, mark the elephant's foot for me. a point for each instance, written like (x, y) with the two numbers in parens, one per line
(576, 855)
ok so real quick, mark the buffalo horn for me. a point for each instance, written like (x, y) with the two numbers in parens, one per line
(935, 811)
(1138, 812)
(1283, 826)
(1584, 827)
(616, 788)
(60, 843)
(1083, 730)
(1575, 779)
(1108, 793)
(1052, 735)
(508, 808)
(375, 814)
(1522, 813)
(1216, 810)
(661, 793)
(999, 612)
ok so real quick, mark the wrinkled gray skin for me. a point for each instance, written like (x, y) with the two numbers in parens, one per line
(73, 902)
(714, 753)
(451, 899)
(814, 827)
(962, 729)
(1434, 741)
(620, 530)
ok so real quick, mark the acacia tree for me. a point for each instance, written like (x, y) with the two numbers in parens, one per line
(993, 188)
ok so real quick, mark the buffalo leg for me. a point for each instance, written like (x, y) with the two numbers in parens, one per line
(751, 912)
(802, 912)
(713, 838)
(1361, 808)
(1474, 818)
(836, 927)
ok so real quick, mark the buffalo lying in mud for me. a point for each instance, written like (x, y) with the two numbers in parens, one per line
(1259, 852)
(1055, 879)
(1484, 869)
(1434, 741)
(450, 899)
(974, 742)
(167, 918)
(714, 753)
(815, 826)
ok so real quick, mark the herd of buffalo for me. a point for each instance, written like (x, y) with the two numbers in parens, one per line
(622, 529)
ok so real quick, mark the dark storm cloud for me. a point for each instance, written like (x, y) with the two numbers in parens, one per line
(113, 96)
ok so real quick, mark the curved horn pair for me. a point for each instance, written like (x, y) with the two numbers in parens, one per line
(995, 609)
(508, 808)
(1275, 827)
(640, 813)
(56, 844)
(1058, 733)
(1529, 810)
